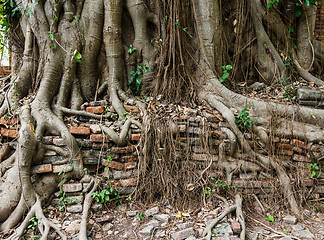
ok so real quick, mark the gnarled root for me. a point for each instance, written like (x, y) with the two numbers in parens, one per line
(238, 207)
(43, 224)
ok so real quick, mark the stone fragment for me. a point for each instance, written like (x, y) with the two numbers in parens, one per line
(107, 226)
(121, 174)
(73, 227)
(96, 206)
(223, 229)
(165, 218)
(80, 130)
(74, 208)
(305, 234)
(125, 190)
(132, 109)
(147, 231)
(183, 234)
(257, 86)
(285, 238)
(97, 109)
(105, 218)
(184, 225)
(132, 213)
(47, 139)
(44, 168)
(151, 211)
(153, 223)
(236, 227)
(160, 234)
(72, 187)
(95, 128)
(90, 160)
(301, 158)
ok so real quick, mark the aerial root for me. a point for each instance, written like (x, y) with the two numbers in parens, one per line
(207, 235)
(43, 224)
(86, 206)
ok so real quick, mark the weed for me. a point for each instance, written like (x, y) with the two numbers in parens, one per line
(289, 91)
(106, 195)
(140, 216)
(131, 49)
(77, 56)
(270, 218)
(207, 190)
(244, 119)
(225, 75)
(33, 223)
(313, 168)
(135, 82)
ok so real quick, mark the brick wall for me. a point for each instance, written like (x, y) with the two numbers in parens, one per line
(118, 165)
(5, 71)
(319, 26)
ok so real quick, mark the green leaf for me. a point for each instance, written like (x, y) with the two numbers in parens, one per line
(307, 3)
(270, 218)
(228, 67)
(298, 13)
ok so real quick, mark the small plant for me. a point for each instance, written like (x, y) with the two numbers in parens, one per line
(207, 191)
(289, 91)
(85, 170)
(33, 223)
(108, 110)
(225, 75)
(244, 118)
(270, 218)
(77, 56)
(36, 236)
(313, 168)
(287, 230)
(106, 195)
(315, 209)
(131, 49)
(140, 216)
(135, 81)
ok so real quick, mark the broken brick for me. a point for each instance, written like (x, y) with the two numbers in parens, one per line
(97, 110)
(136, 137)
(80, 130)
(10, 133)
(44, 168)
(130, 165)
(128, 182)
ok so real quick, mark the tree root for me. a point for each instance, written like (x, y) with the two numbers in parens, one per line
(86, 206)
(43, 224)
(238, 207)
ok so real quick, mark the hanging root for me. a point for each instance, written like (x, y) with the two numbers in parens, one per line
(207, 235)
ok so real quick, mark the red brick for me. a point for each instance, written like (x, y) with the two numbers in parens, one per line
(130, 165)
(132, 109)
(299, 143)
(127, 149)
(8, 121)
(308, 182)
(44, 168)
(114, 183)
(136, 137)
(72, 187)
(95, 128)
(98, 109)
(128, 182)
(300, 158)
(98, 138)
(298, 149)
(62, 168)
(286, 152)
(113, 164)
(284, 146)
(80, 130)
(317, 148)
(10, 133)
(129, 158)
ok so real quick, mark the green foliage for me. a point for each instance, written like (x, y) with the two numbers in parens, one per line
(33, 223)
(270, 218)
(225, 75)
(216, 184)
(289, 91)
(207, 191)
(244, 119)
(135, 82)
(140, 216)
(313, 168)
(298, 5)
(131, 49)
(105, 195)
(77, 56)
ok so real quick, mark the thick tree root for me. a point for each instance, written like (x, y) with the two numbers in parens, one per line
(43, 224)
(86, 206)
(238, 207)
